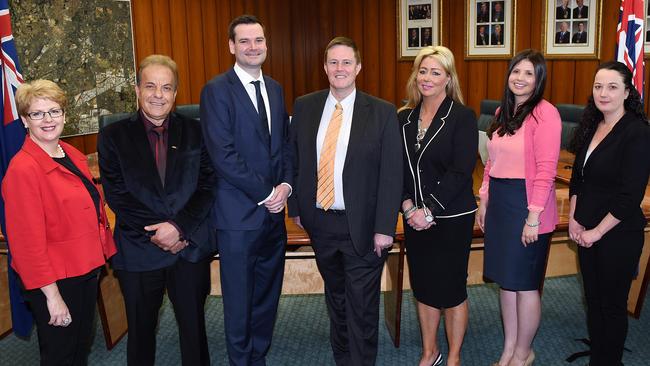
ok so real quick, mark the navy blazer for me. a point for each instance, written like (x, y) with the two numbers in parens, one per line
(135, 193)
(247, 166)
(372, 172)
(615, 176)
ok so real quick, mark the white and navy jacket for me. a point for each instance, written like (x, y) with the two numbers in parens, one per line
(439, 174)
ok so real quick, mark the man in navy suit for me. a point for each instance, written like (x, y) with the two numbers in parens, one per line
(563, 36)
(246, 129)
(348, 157)
(158, 179)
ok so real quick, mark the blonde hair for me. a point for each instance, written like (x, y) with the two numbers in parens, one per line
(161, 60)
(446, 59)
(38, 89)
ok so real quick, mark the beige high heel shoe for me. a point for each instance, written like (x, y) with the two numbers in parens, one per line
(530, 359)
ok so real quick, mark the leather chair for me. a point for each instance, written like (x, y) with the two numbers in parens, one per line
(488, 109)
(107, 119)
(570, 115)
(189, 111)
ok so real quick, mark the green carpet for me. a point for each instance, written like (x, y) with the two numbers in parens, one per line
(301, 333)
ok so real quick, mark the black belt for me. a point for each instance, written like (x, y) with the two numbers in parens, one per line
(331, 211)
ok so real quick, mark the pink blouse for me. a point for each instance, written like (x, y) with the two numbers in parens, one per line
(542, 135)
(507, 155)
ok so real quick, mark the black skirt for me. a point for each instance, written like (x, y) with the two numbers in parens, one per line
(437, 260)
(507, 261)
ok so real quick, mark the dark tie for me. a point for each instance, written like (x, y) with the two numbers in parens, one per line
(261, 109)
(161, 152)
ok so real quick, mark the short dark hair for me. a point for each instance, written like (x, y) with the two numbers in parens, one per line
(343, 41)
(242, 19)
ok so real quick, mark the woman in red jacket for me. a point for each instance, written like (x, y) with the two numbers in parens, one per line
(56, 227)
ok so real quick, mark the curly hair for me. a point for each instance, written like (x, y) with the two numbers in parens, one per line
(510, 118)
(592, 116)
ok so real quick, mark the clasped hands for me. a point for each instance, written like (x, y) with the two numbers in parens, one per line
(583, 237)
(416, 219)
(276, 203)
(167, 237)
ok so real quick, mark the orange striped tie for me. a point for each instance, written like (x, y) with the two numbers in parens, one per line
(325, 192)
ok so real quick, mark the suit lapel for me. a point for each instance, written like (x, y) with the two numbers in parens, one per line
(277, 124)
(314, 114)
(140, 144)
(359, 122)
(609, 139)
(242, 97)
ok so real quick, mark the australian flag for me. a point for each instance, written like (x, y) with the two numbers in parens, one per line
(629, 40)
(12, 135)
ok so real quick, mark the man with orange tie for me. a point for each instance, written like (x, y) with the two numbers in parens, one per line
(347, 191)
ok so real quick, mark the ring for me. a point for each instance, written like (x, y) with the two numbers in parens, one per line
(66, 321)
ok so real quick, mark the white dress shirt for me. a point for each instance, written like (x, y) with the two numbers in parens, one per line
(341, 145)
(246, 80)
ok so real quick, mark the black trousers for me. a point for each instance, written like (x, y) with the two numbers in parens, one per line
(608, 268)
(66, 345)
(352, 286)
(188, 285)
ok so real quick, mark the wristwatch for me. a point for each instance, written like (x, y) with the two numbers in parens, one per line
(428, 217)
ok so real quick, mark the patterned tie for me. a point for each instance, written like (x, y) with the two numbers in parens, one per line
(325, 191)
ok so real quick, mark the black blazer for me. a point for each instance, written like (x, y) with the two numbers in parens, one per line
(372, 179)
(615, 176)
(562, 38)
(134, 192)
(441, 171)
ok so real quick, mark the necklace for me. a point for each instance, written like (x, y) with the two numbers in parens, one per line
(420, 135)
(59, 152)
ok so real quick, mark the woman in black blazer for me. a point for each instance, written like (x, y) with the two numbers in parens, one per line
(609, 179)
(440, 145)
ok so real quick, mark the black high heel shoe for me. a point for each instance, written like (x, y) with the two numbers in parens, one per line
(438, 360)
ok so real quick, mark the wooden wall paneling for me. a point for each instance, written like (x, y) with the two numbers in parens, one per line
(298, 49)
(387, 51)
(143, 30)
(314, 46)
(356, 22)
(282, 63)
(195, 50)
(237, 8)
(562, 74)
(162, 37)
(584, 78)
(403, 73)
(371, 46)
(224, 16)
(210, 24)
(476, 89)
(609, 22)
(496, 78)
(536, 11)
(455, 30)
(179, 48)
(523, 27)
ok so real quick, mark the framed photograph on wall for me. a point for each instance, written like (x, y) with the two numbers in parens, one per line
(418, 23)
(490, 29)
(571, 29)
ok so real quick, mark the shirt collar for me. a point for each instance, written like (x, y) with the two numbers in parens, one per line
(245, 77)
(148, 126)
(347, 103)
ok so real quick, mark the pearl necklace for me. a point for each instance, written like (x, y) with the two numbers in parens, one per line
(59, 152)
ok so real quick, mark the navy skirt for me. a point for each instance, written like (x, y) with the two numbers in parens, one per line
(507, 261)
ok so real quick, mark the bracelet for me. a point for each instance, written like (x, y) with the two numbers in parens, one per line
(532, 225)
(407, 213)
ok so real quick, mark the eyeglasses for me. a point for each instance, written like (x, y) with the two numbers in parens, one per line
(54, 113)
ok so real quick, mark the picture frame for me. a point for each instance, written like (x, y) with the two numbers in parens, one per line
(571, 29)
(490, 29)
(419, 24)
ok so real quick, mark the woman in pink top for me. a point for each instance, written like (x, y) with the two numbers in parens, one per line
(518, 211)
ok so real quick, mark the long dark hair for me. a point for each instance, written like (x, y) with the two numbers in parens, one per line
(507, 120)
(592, 116)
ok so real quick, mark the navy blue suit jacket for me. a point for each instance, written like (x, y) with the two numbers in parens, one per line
(135, 193)
(247, 166)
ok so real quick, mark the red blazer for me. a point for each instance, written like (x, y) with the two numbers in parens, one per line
(52, 226)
